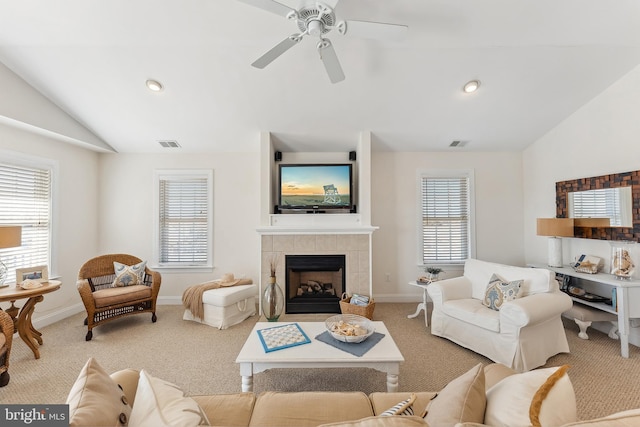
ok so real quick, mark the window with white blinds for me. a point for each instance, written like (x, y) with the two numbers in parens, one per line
(445, 218)
(184, 218)
(25, 200)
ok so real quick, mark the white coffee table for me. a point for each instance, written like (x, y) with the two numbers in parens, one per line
(384, 356)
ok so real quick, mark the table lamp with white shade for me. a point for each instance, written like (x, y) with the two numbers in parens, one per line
(10, 237)
(555, 228)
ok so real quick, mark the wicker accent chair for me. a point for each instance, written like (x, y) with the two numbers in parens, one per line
(103, 302)
(6, 336)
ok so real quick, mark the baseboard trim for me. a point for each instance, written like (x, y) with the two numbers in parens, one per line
(63, 313)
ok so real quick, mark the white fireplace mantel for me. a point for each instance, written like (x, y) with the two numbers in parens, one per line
(316, 224)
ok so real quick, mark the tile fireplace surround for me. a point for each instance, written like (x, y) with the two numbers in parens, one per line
(356, 246)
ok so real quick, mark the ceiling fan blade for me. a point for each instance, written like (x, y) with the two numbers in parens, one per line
(270, 6)
(276, 51)
(330, 61)
(373, 30)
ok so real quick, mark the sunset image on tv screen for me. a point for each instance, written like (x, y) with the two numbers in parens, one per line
(321, 185)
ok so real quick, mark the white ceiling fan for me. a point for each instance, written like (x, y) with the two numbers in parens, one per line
(317, 19)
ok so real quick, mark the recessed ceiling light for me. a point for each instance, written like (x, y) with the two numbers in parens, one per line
(471, 86)
(154, 85)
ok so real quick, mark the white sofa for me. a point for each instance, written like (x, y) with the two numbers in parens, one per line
(523, 334)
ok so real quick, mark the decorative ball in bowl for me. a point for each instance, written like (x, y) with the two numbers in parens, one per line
(349, 328)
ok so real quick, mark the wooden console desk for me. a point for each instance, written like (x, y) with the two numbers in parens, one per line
(22, 317)
(627, 297)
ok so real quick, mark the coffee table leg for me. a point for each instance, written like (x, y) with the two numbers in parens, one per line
(246, 371)
(392, 383)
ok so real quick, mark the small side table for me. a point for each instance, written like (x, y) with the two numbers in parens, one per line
(423, 304)
(22, 317)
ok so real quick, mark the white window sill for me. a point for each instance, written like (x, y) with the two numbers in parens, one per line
(182, 268)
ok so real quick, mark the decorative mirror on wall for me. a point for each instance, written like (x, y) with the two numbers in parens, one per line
(615, 196)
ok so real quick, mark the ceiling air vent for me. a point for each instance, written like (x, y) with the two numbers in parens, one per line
(458, 144)
(169, 144)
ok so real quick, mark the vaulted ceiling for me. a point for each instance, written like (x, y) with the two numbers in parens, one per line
(538, 61)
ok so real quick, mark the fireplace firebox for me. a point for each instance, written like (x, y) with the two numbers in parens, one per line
(314, 283)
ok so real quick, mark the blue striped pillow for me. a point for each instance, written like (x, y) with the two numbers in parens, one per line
(403, 408)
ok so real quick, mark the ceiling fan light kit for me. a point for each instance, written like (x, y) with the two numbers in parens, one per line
(317, 19)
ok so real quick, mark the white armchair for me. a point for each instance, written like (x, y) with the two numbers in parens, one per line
(523, 334)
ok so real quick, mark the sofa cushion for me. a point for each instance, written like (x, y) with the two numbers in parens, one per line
(535, 280)
(274, 409)
(162, 404)
(229, 410)
(402, 408)
(96, 400)
(127, 275)
(462, 400)
(474, 312)
(630, 418)
(224, 296)
(120, 295)
(410, 421)
(542, 397)
(500, 291)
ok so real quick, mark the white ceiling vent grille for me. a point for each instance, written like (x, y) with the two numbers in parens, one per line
(458, 144)
(169, 144)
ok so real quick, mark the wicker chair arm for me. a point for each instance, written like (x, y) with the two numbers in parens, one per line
(85, 293)
(156, 279)
(6, 326)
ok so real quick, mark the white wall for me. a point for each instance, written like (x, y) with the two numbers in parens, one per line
(600, 138)
(499, 213)
(75, 215)
(126, 211)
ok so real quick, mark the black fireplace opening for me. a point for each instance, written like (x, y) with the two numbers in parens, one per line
(314, 283)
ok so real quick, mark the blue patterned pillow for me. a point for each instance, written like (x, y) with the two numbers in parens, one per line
(500, 291)
(403, 408)
(127, 275)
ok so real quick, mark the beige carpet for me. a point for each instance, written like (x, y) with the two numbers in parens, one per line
(200, 359)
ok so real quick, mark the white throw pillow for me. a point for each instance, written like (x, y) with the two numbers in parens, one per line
(95, 399)
(159, 403)
(542, 397)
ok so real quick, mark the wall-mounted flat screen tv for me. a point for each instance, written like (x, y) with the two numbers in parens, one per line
(316, 186)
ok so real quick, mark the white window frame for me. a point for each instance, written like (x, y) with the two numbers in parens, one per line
(36, 162)
(445, 173)
(168, 174)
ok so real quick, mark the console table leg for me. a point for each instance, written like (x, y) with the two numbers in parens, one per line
(247, 383)
(392, 383)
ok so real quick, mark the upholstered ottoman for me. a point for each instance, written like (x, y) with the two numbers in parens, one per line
(584, 315)
(226, 306)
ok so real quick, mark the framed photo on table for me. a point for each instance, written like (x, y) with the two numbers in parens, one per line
(39, 273)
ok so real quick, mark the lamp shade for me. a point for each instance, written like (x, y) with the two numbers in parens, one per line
(10, 236)
(556, 227)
